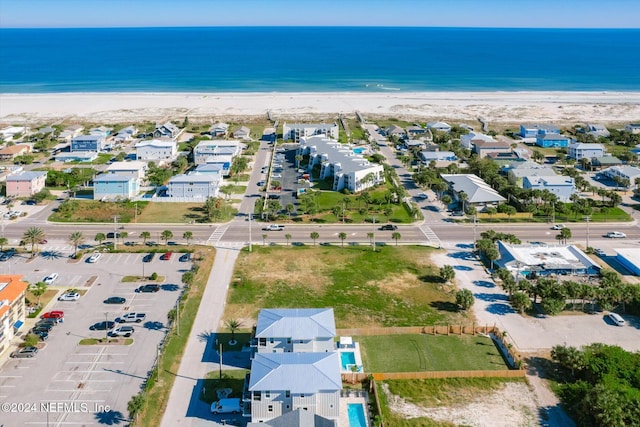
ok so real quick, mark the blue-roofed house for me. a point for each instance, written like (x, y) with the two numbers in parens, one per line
(113, 186)
(295, 330)
(88, 143)
(529, 130)
(284, 382)
(552, 140)
(562, 186)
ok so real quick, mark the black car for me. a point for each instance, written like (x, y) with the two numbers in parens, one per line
(148, 257)
(43, 336)
(152, 243)
(41, 328)
(112, 235)
(114, 300)
(388, 227)
(48, 322)
(101, 326)
(185, 257)
(148, 288)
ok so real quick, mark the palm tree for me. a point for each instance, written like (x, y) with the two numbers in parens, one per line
(166, 235)
(264, 240)
(288, 237)
(233, 325)
(396, 236)
(447, 273)
(187, 235)
(314, 235)
(76, 239)
(290, 208)
(3, 241)
(124, 234)
(342, 235)
(33, 236)
(37, 290)
(100, 237)
(145, 235)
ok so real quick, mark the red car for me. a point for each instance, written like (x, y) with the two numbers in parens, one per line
(56, 314)
(166, 256)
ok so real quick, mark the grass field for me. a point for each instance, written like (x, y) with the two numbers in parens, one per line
(173, 213)
(416, 353)
(395, 286)
(96, 211)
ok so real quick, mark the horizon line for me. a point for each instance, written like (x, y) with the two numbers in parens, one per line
(313, 26)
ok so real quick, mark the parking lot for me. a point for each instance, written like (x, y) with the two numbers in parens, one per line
(284, 170)
(68, 383)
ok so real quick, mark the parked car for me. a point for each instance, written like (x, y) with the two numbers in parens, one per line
(152, 243)
(274, 227)
(599, 252)
(274, 196)
(388, 227)
(166, 256)
(69, 296)
(170, 243)
(41, 328)
(422, 196)
(558, 227)
(122, 331)
(25, 352)
(616, 318)
(115, 300)
(47, 323)
(55, 314)
(131, 317)
(148, 257)
(226, 406)
(262, 183)
(50, 278)
(102, 326)
(94, 257)
(148, 288)
(8, 254)
(42, 336)
(615, 235)
(185, 257)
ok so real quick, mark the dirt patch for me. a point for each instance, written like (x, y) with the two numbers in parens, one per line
(397, 284)
(514, 404)
(297, 270)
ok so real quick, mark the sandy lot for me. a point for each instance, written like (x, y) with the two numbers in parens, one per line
(496, 107)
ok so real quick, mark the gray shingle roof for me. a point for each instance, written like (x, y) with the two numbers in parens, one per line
(297, 418)
(476, 189)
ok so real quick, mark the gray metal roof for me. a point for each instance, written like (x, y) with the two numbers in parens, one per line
(555, 180)
(476, 189)
(194, 177)
(296, 372)
(296, 323)
(26, 175)
(297, 418)
(585, 146)
(108, 177)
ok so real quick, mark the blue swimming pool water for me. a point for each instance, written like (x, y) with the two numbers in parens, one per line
(359, 150)
(347, 358)
(356, 415)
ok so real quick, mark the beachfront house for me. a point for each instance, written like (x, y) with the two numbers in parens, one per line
(166, 130)
(208, 150)
(101, 130)
(598, 130)
(243, 133)
(296, 418)
(562, 186)
(13, 151)
(478, 192)
(415, 130)
(125, 134)
(288, 330)
(349, 169)
(395, 130)
(284, 382)
(156, 150)
(9, 133)
(439, 126)
(555, 140)
(113, 186)
(529, 130)
(136, 169)
(88, 143)
(25, 183)
(579, 151)
(470, 139)
(484, 148)
(12, 310)
(194, 186)
(295, 131)
(219, 130)
(632, 128)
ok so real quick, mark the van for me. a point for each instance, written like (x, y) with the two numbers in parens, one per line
(616, 318)
(226, 406)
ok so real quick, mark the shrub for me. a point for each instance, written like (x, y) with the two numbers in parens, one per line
(154, 276)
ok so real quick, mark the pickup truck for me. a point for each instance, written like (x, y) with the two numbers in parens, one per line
(131, 317)
(274, 227)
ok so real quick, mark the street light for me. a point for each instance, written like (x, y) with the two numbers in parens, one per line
(587, 218)
(106, 327)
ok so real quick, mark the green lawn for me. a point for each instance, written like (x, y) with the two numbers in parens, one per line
(96, 211)
(172, 213)
(231, 378)
(400, 287)
(415, 353)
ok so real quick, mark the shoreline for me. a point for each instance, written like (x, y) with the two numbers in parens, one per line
(495, 106)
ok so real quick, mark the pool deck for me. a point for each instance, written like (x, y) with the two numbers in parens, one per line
(355, 349)
(354, 396)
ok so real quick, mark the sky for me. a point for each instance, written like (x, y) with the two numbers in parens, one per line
(414, 13)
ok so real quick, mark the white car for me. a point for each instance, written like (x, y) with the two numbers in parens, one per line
(94, 257)
(615, 235)
(50, 278)
(558, 227)
(276, 175)
(69, 296)
(599, 252)
(121, 331)
(274, 227)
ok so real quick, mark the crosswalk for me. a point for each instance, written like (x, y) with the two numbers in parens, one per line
(217, 234)
(430, 235)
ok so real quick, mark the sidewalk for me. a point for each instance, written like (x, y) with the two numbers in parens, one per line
(184, 407)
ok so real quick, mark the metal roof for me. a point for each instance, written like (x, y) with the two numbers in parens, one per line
(296, 323)
(296, 372)
(477, 190)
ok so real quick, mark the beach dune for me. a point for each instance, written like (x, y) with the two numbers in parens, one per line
(496, 107)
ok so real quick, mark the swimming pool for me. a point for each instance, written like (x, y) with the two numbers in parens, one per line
(347, 359)
(356, 415)
(359, 150)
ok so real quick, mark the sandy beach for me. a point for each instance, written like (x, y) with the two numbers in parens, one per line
(496, 107)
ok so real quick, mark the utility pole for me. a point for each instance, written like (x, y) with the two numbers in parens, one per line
(587, 218)
(250, 215)
(115, 232)
(475, 226)
(106, 329)
(374, 234)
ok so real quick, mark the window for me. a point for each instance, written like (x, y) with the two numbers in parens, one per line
(287, 394)
(267, 394)
(262, 342)
(257, 396)
(270, 408)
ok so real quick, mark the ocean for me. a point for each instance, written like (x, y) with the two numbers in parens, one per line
(317, 59)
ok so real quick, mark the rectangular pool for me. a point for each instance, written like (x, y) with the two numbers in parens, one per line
(356, 415)
(347, 359)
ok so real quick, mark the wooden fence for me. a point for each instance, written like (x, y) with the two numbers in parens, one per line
(381, 376)
(428, 330)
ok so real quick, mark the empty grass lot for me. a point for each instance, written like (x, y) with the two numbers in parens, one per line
(416, 353)
(394, 286)
(173, 213)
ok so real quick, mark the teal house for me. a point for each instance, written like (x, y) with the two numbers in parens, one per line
(552, 140)
(114, 186)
